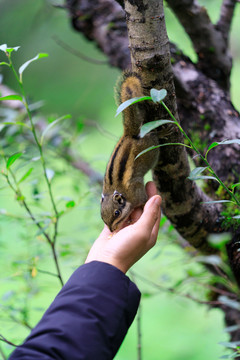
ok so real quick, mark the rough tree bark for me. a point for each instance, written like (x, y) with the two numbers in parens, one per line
(203, 102)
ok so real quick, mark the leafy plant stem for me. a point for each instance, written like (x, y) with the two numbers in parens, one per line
(38, 144)
(231, 194)
(52, 241)
(18, 193)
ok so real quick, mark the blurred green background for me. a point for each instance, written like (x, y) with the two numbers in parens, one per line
(172, 327)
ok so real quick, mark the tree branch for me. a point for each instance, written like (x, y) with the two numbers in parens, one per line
(207, 113)
(104, 22)
(226, 16)
(77, 53)
(213, 55)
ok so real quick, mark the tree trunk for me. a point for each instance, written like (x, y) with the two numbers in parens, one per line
(203, 104)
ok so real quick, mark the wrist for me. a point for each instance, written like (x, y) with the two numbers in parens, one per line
(114, 262)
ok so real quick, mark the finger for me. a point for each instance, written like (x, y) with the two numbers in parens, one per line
(155, 229)
(151, 189)
(150, 213)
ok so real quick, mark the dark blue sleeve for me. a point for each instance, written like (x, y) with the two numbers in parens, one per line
(88, 319)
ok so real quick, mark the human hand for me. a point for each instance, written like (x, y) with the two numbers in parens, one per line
(128, 245)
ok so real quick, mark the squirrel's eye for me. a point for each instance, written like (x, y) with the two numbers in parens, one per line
(116, 213)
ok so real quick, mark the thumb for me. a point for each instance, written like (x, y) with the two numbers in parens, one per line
(150, 212)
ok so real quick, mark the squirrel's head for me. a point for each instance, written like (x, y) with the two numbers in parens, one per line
(114, 209)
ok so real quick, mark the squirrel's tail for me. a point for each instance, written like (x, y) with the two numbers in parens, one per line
(129, 87)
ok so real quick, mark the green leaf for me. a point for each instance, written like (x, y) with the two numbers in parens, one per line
(42, 230)
(236, 217)
(224, 142)
(11, 97)
(227, 344)
(213, 145)
(218, 241)
(229, 302)
(50, 174)
(232, 328)
(146, 128)
(197, 171)
(195, 174)
(157, 146)
(25, 65)
(158, 95)
(233, 186)
(12, 159)
(25, 176)
(217, 202)
(203, 177)
(15, 123)
(4, 63)
(53, 124)
(70, 204)
(211, 259)
(9, 50)
(5, 48)
(228, 142)
(147, 295)
(129, 102)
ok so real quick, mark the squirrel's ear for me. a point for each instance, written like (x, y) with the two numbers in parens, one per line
(118, 198)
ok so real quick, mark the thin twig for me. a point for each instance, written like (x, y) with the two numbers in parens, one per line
(23, 202)
(56, 262)
(46, 272)
(77, 53)
(15, 319)
(102, 131)
(173, 291)
(2, 338)
(138, 319)
(139, 332)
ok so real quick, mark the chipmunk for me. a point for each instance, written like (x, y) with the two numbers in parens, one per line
(123, 185)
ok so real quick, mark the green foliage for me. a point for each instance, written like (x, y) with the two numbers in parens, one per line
(31, 174)
(146, 128)
(195, 137)
(158, 95)
(38, 179)
(27, 63)
(53, 123)
(129, 102)
(218, 241)
(231, 215)
(11, 97)
(12, 159)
